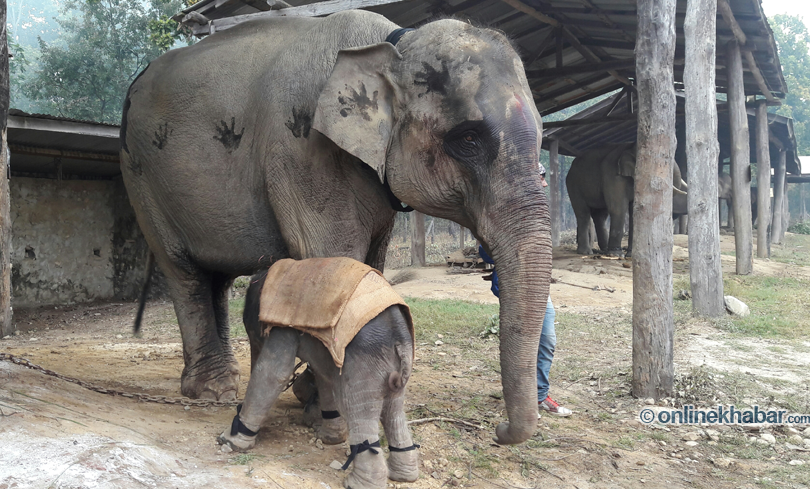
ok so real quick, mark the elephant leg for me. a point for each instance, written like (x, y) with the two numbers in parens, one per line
(403, 466)
(583, 215)
(617, 218)
(600, 223)
(360, 400)
(267, 380)
(200, 303)
(324, 415)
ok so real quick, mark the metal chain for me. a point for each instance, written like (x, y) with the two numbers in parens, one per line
(185, 401)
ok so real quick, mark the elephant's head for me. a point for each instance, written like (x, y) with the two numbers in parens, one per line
(448, 120)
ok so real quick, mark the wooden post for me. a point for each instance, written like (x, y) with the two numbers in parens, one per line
(6, 326)
(653, 326)
(778, 198)
(764, 180)
(461, 232)
(702, 151)
(802, 208)
(740, 161)
(417, 239)
(786, 220)
(553, 175)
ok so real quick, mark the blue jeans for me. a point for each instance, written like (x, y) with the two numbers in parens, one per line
(545, 352)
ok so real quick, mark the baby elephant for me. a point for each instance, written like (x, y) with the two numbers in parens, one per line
(360, 380)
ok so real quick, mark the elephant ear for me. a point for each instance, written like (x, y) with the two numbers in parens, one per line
(627, 162)
(355, 108)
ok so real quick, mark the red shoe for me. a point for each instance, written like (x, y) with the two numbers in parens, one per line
(550, 405)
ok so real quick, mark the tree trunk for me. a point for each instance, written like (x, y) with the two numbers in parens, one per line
(786, 220)
(6, 326)
(764, 180)
(702, 152)
(802, 208)
(778, 197)
(461, 232)
(554, 190)
(740, 161)
(653, 327)
(417, 239)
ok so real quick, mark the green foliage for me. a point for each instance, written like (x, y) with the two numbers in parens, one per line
(494, 326)
(792, 39)
(104, 45)
(800, 228)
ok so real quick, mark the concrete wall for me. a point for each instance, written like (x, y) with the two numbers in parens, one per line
(74, 241)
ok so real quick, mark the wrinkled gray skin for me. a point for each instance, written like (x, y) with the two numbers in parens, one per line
(369, 389)
(599, 187)
(272, 139)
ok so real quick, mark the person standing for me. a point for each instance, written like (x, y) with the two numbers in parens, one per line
(548, 339)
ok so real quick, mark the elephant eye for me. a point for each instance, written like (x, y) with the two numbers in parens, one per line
(468, 137)
(469, 142)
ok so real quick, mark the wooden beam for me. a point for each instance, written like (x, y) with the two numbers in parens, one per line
(728, 17)
(740, 161)
(590, 67)
(590, 120)
(653, 324)
(763, 181)
(571, 149)
(761, 83)
(522, 7)
(311, 10)
(553, 175)
(559, 47)
(59, 153)
(541, 46)
(588, 54)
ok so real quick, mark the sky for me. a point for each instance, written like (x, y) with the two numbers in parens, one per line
(792, 7)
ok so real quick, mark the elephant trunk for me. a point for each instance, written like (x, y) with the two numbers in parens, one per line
(520, 245)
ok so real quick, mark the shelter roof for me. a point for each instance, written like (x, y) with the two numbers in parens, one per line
(573, 50)
(42, 144)
(611, 121)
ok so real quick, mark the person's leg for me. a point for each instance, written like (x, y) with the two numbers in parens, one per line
(545, 352)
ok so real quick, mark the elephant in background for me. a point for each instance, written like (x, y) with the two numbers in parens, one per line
(600, 185)
(301, 137)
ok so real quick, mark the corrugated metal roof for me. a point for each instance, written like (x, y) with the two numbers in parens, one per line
(591, 32)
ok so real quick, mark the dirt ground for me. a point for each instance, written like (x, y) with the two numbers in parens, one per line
(56, 434)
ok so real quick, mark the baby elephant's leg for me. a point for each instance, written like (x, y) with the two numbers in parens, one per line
(330, 425)
(403, 461)
(273, 368)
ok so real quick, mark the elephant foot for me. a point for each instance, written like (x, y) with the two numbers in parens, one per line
(615, 252)
(220, 384)
(312, 414)
(584, 251)
(332, 431)
(238, 442)
(629, 253)
(403, 466)
(369, 472)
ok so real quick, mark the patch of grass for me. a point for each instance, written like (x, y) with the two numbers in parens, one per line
(235, 308)
(795, 249)
(244, 458)
(626, 442)
(777, 304)
(451, 318)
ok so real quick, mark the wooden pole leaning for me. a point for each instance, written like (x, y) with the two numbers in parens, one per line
(702, 153)
(740, 161)
(763, 180)
(653, 326)
(418, 239)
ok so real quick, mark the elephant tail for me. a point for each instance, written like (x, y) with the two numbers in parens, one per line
(150, 265)
(398, 379)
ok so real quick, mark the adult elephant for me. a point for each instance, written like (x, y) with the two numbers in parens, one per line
(600, 184)
(291, 138)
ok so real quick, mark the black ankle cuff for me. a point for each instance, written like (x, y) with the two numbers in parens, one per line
(330, 414)
(238, 427)
(360, 448)
(406, 449)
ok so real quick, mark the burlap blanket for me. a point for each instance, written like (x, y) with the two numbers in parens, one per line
(328, 298)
